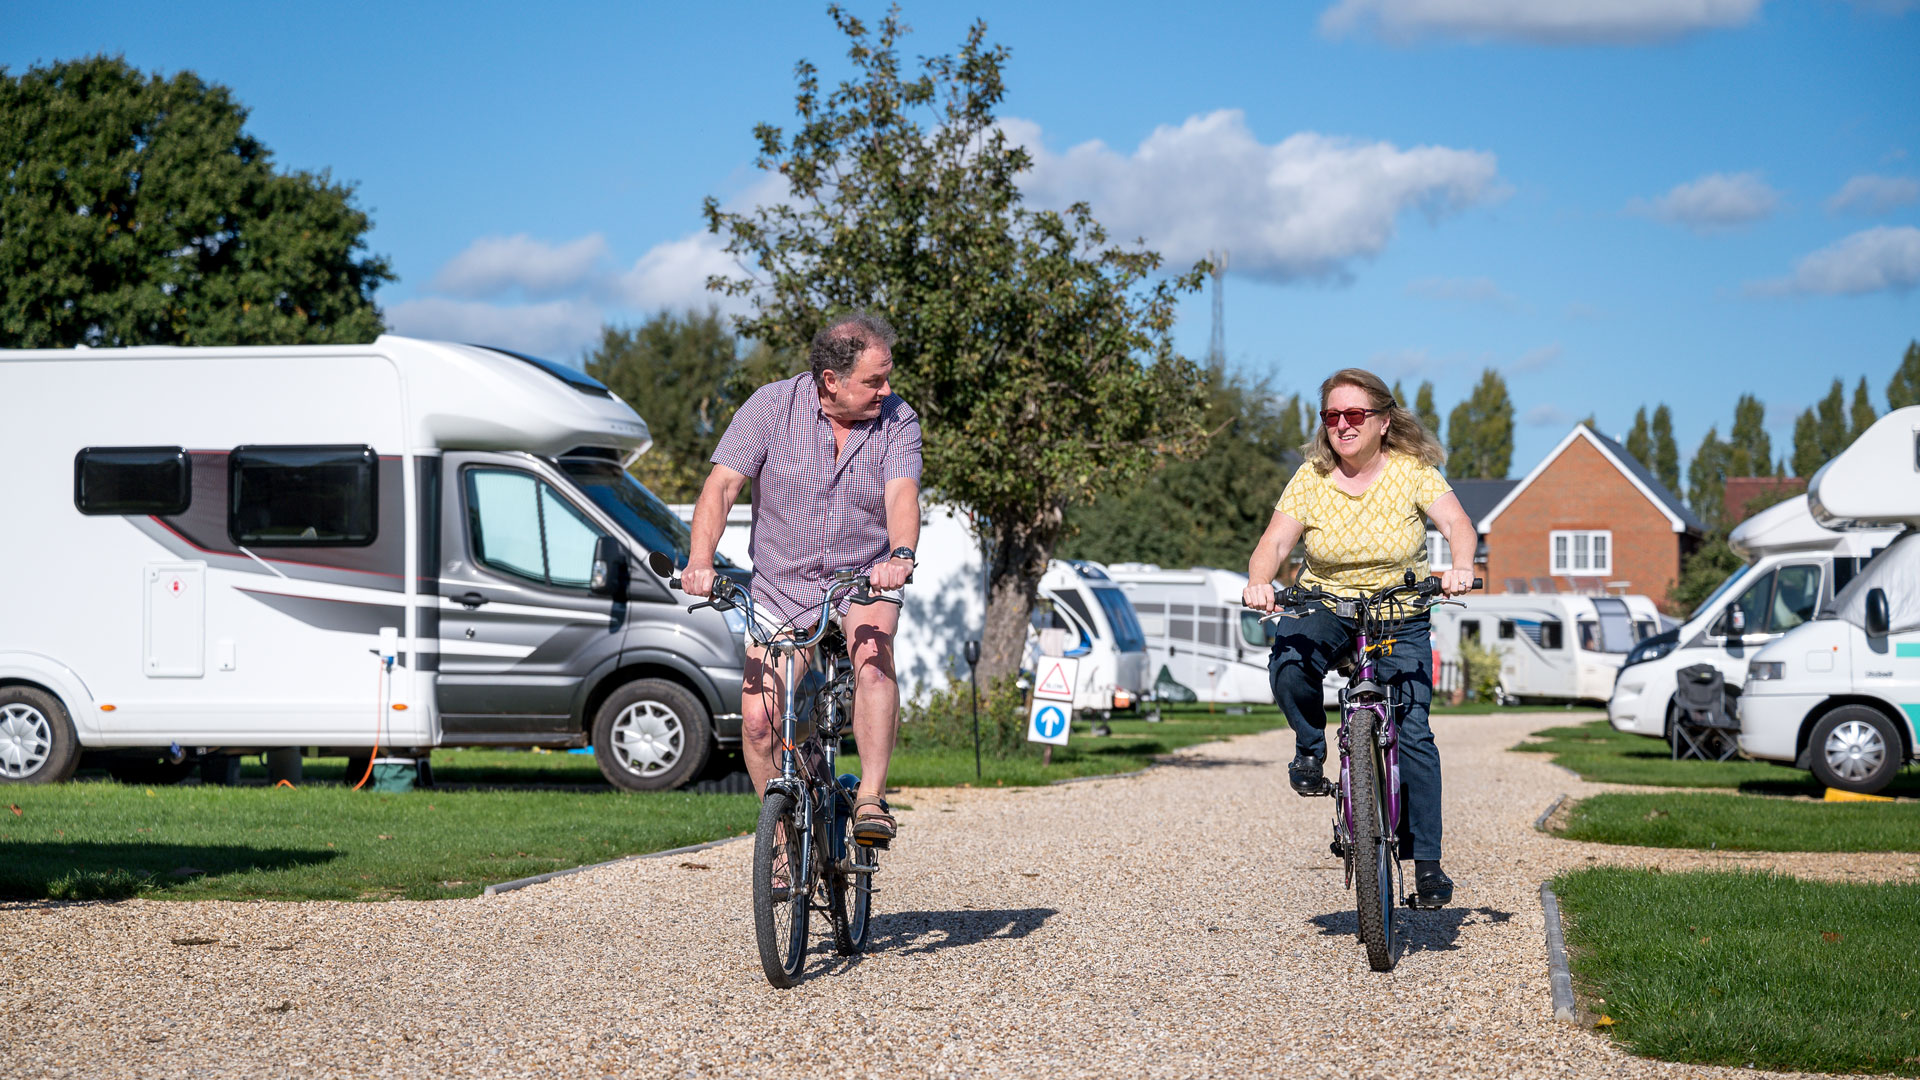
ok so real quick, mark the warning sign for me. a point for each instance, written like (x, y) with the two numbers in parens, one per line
(1055, 679)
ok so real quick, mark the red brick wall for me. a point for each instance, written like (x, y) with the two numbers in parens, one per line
(1581, 489)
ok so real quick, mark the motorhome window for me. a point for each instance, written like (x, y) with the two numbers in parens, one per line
(1796, 593)
(524, 528)
(1153, 618)
(1551, 636)
(1718, 591)
(1589, 636)
(132, 480)
(1078, 605)
(1208, 626)
(1752, 605)
(1506, 629)
(1470, 629)
(302, 496)
(633, 507)
(1843, 571)
(1644, 629)
(1127, 636)
(1260, 633)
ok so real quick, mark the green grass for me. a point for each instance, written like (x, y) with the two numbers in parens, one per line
(322, 841)
(1599, 753)
(1739, 968)
(1743, 823)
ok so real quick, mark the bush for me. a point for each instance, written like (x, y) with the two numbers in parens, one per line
(1479, 669)
(945, 719)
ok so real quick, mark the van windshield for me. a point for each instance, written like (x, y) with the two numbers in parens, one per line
(639, 512)
(1716, 594)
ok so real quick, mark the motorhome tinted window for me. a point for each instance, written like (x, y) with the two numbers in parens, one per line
(1753, 606)
(643, 516)
(1506, 629)
(285, 496)
(1551, 635)
(132, 480)
(1126, 629)
(1078, 605)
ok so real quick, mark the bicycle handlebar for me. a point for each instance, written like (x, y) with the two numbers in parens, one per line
(1293, 596)
(727, 594)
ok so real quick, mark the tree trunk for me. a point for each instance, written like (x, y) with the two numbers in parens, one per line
(1017, 560)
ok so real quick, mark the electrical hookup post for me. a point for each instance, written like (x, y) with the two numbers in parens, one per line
(1048, 722)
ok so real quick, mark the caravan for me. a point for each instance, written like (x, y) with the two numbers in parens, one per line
(1562, 646)
(1100, 630)
(401, 545)
(1795, 566)
(1838, 693)
(1197, 632)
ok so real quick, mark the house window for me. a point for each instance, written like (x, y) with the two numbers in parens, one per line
(132, 480)
(1439, 552)
(302, 496)
(1583, 552)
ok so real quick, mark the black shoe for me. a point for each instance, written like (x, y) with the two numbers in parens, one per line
(1305, 775)
(1432, 889)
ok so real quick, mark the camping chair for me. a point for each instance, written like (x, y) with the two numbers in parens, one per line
(1704, 726)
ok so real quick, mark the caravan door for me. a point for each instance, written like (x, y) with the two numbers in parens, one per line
(519, 627)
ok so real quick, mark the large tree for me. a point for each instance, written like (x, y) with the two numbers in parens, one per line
(1640, 438)
(1666, 452)
(1904, 388)
(687, 374)
(1424, 408)
(1707, 479)
(1038, 354)
(1749, 448)
(1480, 431)
(136, 211)
(1820, 433)
(1860, 415)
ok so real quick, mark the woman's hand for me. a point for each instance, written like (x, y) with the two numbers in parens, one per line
(1258, 596)
(1455, 582)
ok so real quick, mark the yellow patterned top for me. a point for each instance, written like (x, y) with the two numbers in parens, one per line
(1357, 544)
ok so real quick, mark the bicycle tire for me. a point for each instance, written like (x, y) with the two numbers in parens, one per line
(850, 895)
(779, 925)
(1372, 863)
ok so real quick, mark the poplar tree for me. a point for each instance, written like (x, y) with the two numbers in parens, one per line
(1666, 453)
(1904, 388)
(1424, 408)
(1480, 431)
(1861, 416)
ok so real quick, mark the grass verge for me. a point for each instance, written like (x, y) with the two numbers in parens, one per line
(1743, 823)
(1601, 754)
(1749, 969)
(102, 841)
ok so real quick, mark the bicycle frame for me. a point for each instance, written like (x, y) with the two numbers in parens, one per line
(1387, 736)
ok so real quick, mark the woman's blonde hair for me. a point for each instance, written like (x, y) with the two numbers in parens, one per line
(1405, 433)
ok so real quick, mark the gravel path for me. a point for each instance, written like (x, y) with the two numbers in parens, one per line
(1184, 923)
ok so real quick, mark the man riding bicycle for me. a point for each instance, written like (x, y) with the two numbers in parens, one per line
(1361, 501)
(834, 455)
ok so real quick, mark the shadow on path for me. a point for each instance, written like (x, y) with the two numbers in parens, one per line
(911, 932)
(1416, 931)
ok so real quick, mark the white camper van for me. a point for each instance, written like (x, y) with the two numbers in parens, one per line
(1838, 694)
(406, 544)
(1561, 646)
(1794, 567)
(1101, 631)
(1197, 630)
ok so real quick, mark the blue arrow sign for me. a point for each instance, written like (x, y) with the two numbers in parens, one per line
(1050, 722)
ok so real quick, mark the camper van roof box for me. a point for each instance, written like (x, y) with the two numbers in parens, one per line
(1876, 481)
(573, 377)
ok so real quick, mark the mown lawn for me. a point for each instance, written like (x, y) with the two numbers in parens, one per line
(1599, 753)
(1743, 823)
(321, 841)
(1749, 969)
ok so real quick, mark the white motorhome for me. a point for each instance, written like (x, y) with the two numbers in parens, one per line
(1197, 631)
(1101, 631)
(1561, 646)
(1838, 694)
(1794, 567)
(406, 544)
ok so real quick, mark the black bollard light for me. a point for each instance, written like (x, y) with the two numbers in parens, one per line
(972, 652)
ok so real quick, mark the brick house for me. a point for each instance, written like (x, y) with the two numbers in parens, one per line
(1588, 518)
(1746, 491)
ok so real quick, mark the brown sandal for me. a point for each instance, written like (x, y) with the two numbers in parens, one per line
(876, 829)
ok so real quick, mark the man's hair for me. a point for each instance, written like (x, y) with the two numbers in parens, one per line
(837, 347)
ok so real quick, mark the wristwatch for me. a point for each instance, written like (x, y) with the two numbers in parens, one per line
(903, 552)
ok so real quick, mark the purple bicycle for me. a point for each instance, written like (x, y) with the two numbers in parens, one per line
(1366, 801)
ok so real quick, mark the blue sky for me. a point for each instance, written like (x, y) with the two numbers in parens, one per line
(1614, 202)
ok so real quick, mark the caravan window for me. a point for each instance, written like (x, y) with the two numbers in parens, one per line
(311, 496)
(1506, 629)
(1153, 618)
(523, 528)
(132, 480)
(1469, 629)
(1550, 635)
(1180, 622)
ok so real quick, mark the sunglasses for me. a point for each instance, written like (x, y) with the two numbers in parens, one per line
(1353, 417)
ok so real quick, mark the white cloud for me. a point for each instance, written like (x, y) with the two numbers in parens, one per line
(1540, 22)
(1882, 259)
(1546, 416)
(1871, 194)
(1477, 290)
(557, 329)
(1406, 364)
(1715, 201)
(1305, 207)
(494, 266)
(674, 275)
(1538, 359)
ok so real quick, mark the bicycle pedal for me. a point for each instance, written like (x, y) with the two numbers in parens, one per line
(877, 845)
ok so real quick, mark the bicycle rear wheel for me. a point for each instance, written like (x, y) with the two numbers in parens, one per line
(1373, 861)
(780, 923)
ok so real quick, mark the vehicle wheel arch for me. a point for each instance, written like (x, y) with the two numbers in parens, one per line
(601, 686)
(1819, 713)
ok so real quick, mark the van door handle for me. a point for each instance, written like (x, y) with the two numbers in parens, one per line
(471, 600)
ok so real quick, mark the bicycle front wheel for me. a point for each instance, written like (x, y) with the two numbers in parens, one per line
(780, 917)
(850, 890)
(1373, 861)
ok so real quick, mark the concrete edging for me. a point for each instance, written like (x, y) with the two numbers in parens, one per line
(521, 883)
(1540, 823)
(1559, 978)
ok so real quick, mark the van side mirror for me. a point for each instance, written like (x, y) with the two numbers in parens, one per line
(609, 568)
(1737, 622)
(1878, 617)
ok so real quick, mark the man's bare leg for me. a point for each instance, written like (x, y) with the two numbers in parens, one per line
(876, 694)
(762, 696)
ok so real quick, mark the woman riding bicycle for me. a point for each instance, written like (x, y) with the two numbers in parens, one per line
(1360, 501)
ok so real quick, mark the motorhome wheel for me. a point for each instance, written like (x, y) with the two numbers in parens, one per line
(651, 734)
(1855, 748)
(37, 741)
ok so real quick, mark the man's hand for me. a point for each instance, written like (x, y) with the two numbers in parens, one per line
(1455, 582)
(697, 580)
(1258, 596)
(890, 575)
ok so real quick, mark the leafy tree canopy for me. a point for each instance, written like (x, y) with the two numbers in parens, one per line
(1666, 452)
(136, 211)
(1821, 432)
(1860, 416)
(1423, 407)
(1038, 354)
(1480, 431)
